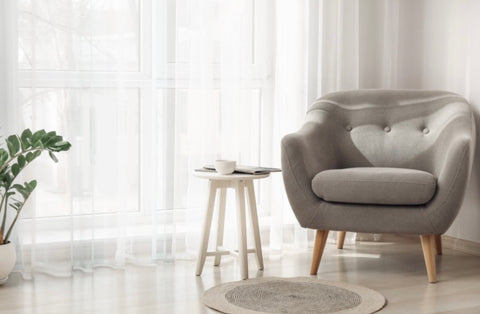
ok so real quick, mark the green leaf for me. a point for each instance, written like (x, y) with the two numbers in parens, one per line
(38, 135)
(30, 156)
(38, 144)
(60, 146)
(6, 180)
(53, 157)
(26, 135)
(16, 205)
(27, 189)
(17, 187)
(23, 191)
(26, 139)
(15, 169)
(61, 143)
(32, 184)
(11, 148)
(24, 145)
(50, 134)
(21, 161)
(3, 156)
(37, 153)
(13, 145)
(52, 140)
(47, 137)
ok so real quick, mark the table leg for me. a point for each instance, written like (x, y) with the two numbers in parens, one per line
(221, 223)
(242, 233)
(256, 230)
(206, 227)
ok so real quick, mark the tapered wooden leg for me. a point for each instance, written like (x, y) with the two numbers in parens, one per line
(221, 223)
(242, 232)
(428, 244)
(254, 217)
(202, 252)
(320, 240)
(340, 239)
(438, 243)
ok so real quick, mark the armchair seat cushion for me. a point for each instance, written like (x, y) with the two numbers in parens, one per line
(375, 185)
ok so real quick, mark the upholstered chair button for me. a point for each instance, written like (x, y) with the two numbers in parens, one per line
(348, 128)
(426, 131)
(387, 129)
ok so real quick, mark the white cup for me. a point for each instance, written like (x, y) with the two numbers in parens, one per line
(225, 166)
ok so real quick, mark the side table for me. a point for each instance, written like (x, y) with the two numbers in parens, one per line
(241, 183)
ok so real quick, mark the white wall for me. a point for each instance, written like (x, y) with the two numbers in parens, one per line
(467, 224)
(432, 44)
(440, 49)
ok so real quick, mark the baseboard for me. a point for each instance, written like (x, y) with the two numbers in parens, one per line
(448, 242)
(464, 246)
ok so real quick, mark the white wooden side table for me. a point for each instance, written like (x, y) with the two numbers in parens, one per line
(241, 183)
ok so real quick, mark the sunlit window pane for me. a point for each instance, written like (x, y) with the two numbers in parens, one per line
(79, 35)
(209, 31)
(100, 173)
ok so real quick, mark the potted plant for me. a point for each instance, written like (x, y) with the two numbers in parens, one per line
(20, 151)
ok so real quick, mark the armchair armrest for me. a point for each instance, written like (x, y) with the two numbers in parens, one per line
(452, 169)
(304, 154)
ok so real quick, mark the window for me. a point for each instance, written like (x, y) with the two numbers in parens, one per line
(146, 91)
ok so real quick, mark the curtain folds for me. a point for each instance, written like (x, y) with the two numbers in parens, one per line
(8, 69)
(147, 91)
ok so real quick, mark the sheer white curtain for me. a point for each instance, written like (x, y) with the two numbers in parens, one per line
(79, 73)
(147, 91)
(8, 69)
(234, 69)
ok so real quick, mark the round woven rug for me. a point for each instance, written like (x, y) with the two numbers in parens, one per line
(292, 295)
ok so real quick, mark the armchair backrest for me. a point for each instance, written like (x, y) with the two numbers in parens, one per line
(394, 128)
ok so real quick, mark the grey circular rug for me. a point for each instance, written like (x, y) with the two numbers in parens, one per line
(292, 295)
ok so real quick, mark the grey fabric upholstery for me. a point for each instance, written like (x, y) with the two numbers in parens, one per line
(375, 185)
(432, 131)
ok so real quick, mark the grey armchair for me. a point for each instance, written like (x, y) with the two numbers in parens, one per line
(380, 161)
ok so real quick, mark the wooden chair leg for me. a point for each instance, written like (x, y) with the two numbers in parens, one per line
(340, 239)
(428, 244)
(438, 244)
(320, 240)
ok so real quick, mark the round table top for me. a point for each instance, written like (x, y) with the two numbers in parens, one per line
(233, 176)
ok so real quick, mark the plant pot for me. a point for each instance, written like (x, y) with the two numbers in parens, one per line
(7, 260)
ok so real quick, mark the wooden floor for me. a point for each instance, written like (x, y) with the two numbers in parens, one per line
(396, 269)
